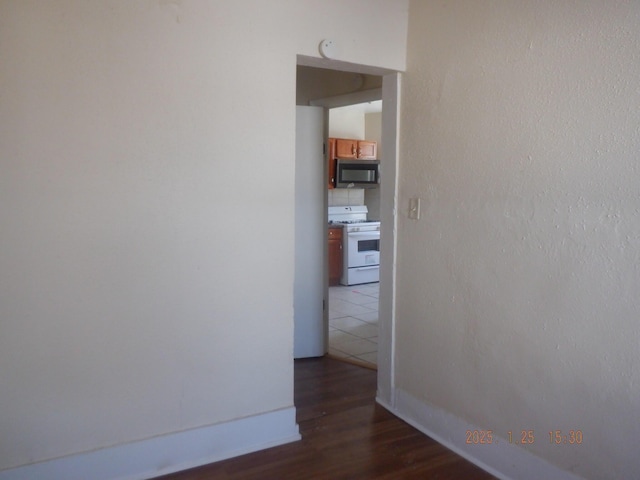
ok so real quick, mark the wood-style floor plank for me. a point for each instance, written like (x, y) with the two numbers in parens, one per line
(345, 435)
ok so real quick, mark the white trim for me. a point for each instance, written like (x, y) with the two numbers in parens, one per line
(391, 87)
(341, 65)
(169, 453)
(502, 459)
(388, 227)
(355, 98)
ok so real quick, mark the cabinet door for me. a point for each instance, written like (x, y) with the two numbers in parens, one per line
(346, 148)
(367, 150)
(331, 158)
(335, 255)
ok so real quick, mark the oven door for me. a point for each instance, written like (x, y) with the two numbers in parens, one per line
(362, 249)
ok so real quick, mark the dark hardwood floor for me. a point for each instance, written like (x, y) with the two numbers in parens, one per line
(345, 435)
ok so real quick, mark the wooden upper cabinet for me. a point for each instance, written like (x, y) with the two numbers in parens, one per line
(349, 148)
(346, 148)
(361, 149)
(367, 150)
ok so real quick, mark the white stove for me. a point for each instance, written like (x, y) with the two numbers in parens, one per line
(351, 215)
(361, 244)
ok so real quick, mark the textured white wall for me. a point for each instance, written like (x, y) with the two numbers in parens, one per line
(132, 304)
(346, 122)
(518, 290)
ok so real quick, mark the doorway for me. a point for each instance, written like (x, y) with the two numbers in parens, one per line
(353, 309)
(349, 75)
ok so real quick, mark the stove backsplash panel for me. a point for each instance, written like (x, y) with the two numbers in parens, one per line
(346, 196)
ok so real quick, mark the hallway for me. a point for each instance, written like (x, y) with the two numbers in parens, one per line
(345, 435)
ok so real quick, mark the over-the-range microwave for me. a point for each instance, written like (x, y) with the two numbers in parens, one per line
(357, 173)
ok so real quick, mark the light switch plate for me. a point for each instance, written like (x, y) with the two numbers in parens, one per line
(414, 208)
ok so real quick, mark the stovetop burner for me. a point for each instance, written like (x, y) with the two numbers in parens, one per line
(348, 215)
(349, 222)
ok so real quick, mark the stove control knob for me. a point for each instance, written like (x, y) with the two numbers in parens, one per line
(356, 229)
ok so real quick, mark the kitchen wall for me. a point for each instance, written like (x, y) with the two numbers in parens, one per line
(346, 122)
(373, 131)
(354, 122)
(346, 196)
(126, 316)
(517, 290)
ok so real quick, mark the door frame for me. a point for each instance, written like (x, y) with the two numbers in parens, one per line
(390, 94)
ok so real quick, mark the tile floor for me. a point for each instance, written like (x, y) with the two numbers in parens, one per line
(353, 322)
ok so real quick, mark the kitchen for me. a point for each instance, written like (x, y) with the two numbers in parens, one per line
(353, 235)
(340, 319)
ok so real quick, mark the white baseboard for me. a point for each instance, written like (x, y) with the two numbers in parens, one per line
(502, 460)
(168, 453)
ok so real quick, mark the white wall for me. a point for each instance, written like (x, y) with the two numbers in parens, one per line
(346, 122)
(132, 303)
(517, 290)
(373, 128)
(373, 131)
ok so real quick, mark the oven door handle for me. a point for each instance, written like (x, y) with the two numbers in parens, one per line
(368, 268)
(375, 234)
